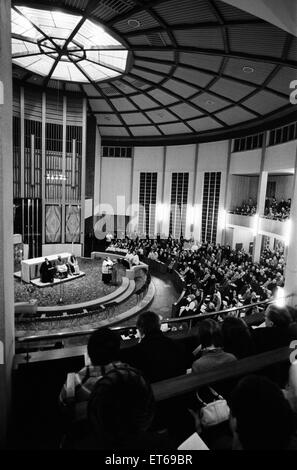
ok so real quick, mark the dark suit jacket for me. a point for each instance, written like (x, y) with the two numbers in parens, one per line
(157, 356)
(266, 339)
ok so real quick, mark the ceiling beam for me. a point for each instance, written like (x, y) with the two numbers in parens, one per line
(194, 26)
(106, 98)
(209, 72)
(216, 52)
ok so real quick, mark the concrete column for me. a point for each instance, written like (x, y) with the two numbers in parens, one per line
(160, 214)
(97, 175)
(43, 174)
(64, 167)
(262, 188)
(227, 197)
(83, 175)
(260, 211)
(6, 221)
(291, 259)
(195, 220)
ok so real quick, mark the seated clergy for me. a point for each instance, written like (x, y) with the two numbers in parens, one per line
(62, 268)
(47, 271)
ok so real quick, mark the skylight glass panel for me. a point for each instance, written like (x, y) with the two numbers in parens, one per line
(97, 71)
(116, 59)
(21, 26)
(37, 64)
(42, 43)
(94, 35)
(24, 47)
(51, 19)
(68, 71)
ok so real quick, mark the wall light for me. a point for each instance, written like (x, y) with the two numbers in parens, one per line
(255, 225)
(288, 230)
(161, 211)
(279, 296)
(222, 220)
(190, 214)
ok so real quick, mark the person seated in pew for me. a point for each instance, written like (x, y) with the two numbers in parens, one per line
(120, 413)
(261, 416)
(135, 260)
(127, 261)
(103, 352)
(210, 349)
(278, 330)
(47, 271)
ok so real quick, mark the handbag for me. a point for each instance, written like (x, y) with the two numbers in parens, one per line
(215, 412)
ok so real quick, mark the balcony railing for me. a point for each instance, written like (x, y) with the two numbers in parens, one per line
(266, 226)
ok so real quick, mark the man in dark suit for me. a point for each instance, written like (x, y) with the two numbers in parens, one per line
(47, 271)
(158, 358)
(156, 355)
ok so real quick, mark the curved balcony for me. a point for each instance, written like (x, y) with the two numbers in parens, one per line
(275, 228)
(247, 221)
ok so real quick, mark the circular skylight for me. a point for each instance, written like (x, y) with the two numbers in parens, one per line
(64, 46)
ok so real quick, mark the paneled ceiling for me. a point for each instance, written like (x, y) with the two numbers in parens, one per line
(196, 70)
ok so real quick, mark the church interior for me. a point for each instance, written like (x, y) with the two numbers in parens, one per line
(148, 225)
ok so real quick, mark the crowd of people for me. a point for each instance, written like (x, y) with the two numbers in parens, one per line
(275, 210)
(110, 403)
(248, 207)
(216, 277)
(112, 396)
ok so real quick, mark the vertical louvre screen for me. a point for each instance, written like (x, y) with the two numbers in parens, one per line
(53, 165)
(147, 203)
(210, 206)
(179, 200)
(73, 163)
(16, 127)
(32, 166)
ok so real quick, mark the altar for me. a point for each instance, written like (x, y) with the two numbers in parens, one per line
(30, 268)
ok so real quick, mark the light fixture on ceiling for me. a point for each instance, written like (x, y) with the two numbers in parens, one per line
(209, 102)
(247, 69)
(134, 23)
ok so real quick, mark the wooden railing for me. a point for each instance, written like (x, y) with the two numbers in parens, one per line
(189, 319)
(183, 384)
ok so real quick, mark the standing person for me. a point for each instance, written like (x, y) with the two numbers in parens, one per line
(73, 265)
(107, 270)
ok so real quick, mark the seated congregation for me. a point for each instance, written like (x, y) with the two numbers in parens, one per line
(110, 403)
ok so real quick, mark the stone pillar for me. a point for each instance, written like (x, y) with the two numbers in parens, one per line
(291, 258)
(6, 220)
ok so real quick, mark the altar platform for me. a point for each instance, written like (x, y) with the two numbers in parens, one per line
(56, 281)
